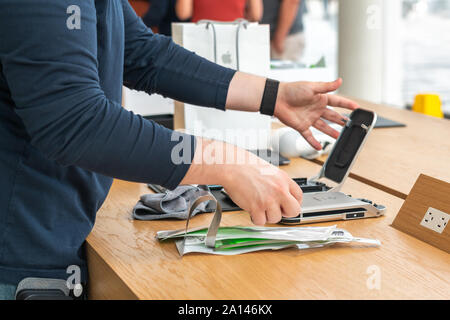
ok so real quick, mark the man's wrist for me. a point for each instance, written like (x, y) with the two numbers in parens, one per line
(280, 98)
(245, 92)
(212, 163)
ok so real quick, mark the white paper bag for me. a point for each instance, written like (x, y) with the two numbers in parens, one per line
(239, 45)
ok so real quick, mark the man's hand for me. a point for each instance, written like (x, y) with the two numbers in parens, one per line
(263, 190)
(301, 105)
(256, 186)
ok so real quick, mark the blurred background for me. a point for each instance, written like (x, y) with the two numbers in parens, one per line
(387, 51)
(424, 37)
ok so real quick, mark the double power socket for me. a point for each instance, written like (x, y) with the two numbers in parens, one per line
(435, 220)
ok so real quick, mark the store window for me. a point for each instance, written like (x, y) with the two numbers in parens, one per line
(425, 40)
(426, 50)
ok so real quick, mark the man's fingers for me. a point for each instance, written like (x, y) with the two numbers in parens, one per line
(325, 87)
(307, 134)
(258, 217)
(273, 214)
(295, 191)
(340, 102)
(325, 128)
(290, 207)
(335, 117)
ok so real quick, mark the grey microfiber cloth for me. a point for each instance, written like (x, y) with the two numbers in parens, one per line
(172, 203)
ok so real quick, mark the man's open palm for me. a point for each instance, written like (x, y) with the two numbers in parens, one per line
(301, 105)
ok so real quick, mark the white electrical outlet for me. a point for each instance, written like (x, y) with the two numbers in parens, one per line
(435, 220)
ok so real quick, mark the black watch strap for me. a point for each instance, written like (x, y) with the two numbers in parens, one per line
(269, 97)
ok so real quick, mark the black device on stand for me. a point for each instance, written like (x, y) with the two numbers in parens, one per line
(322, 202)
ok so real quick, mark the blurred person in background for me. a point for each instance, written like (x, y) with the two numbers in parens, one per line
(285, 18)
(160, 16)
(219, 10)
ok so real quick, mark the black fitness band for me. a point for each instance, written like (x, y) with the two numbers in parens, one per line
(269, 97)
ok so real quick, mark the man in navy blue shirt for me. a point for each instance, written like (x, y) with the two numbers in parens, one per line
(64, 134)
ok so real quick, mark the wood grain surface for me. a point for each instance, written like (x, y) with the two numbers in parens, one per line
(427, 192)
(129, 262)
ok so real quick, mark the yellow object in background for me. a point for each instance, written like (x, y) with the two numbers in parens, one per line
(428, 104)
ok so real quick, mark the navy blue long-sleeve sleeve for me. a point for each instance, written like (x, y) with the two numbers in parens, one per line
(154, 63)
(63, 131)
(52, 73)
